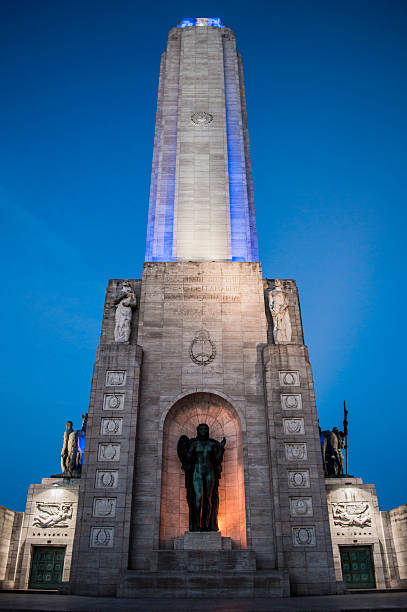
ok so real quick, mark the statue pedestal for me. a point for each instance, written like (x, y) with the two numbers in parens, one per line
(202, 540)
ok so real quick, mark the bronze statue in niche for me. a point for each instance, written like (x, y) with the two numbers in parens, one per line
(201, 459)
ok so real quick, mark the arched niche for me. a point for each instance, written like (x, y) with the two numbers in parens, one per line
(223, 420)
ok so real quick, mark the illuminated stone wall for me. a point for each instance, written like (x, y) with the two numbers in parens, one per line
(201, 197)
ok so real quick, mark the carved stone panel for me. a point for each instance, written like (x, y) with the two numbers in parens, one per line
(291, 401)
(301, 506)
(101, 537)
(48, 514)
(111, 427)
(304, 536)
(289, 378)
(298, 479)
(115, 378)
(104, 506)
(109, 451)
(294, 427)
(106, 479)
(351, 514)
(296, 452)
(113, 401)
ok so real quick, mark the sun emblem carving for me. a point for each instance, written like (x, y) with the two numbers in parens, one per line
(202, 349)
(201, 118)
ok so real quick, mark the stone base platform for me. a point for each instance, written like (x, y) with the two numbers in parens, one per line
(203, 540)
(204, 584)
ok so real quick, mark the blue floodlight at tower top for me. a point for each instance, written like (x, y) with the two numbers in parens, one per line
(191, 22)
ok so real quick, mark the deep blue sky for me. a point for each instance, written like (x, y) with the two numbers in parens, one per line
(327, 97)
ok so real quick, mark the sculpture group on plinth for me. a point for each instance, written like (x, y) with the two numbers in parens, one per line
(72, 449)
(333, 443)
(201, 459)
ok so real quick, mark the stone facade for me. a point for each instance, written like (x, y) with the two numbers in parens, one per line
(200, 351)
(356, 521)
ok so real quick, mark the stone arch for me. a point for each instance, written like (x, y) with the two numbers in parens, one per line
(223, 420)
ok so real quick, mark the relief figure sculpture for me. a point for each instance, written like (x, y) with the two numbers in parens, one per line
(124, 302)
(279, 311)
(201, 459)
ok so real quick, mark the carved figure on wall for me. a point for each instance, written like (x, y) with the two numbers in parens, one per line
(201, 459)
(351, 514)
(124, 302)
(278, 306)
(53, 515)
(72, 449)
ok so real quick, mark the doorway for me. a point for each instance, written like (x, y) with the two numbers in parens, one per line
(46, 568)
(357, 567)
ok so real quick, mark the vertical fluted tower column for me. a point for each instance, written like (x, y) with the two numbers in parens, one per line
(201, 199)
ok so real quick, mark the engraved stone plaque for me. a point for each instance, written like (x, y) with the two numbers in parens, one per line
(101, 537)
(289, 378)
(291, 401)
(111, 427)
(104, 506)
(301, 506)
(115, 378)
(109, 451)
(294, 427)
(113, 401)
(296, 452)
(106, 479)
(304, 536)
(298, 479)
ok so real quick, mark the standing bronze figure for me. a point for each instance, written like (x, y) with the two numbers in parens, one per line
(201, 459)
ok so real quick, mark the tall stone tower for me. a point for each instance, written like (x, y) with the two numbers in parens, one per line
(202, 338)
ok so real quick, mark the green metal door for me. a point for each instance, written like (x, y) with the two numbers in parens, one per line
(46, 568)
(357, 567)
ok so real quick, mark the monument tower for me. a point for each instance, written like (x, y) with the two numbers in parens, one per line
(202, 338)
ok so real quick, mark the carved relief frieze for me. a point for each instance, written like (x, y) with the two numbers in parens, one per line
(298, 479)
(106, 479)
(111, 427)
(291, 401)
(351, 514)
(294, 427)
(101, 537)
(304, 536)
(49, 514)
(104, 506)
(115, 378)
(301, 506)
(113, 401)
(109, 451)
(296, 452)
(289, 378)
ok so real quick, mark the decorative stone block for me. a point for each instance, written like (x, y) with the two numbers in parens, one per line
(301, 506)
(298, 479)
(203, 540)
(296, 452)
(113, 401)
(101, 537)
(294, 427)
(111, 427)
(304, 536)
(104, 506)
(291, 401)
(109, 451)
(106, 479)
(115, 378)
(289, 378)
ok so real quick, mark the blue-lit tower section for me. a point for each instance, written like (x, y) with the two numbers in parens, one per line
(201, 198)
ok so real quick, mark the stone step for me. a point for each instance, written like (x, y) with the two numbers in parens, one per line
(260, 583)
